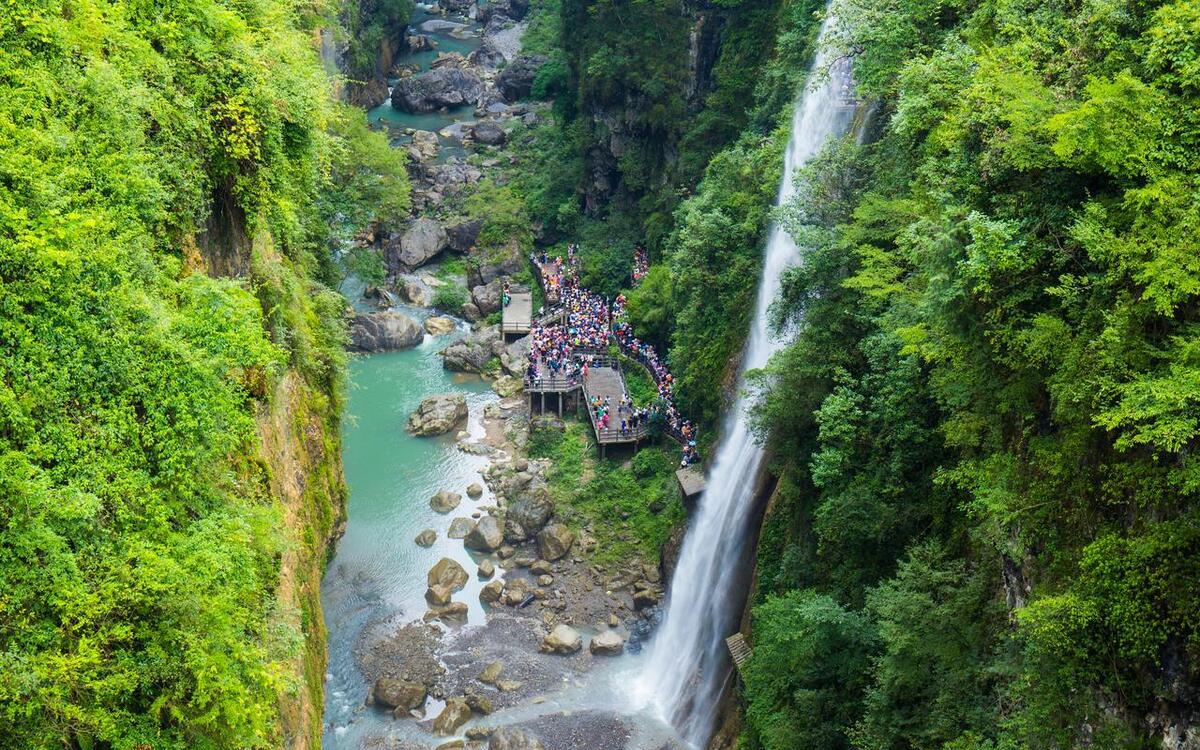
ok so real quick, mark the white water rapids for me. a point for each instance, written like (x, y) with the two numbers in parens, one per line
(688, 665)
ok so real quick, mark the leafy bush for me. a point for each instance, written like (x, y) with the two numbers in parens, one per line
(450, 297)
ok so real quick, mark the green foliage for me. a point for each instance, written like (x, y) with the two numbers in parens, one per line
(630, 508)
(714, 260)
(649, 307)
(368, 179)
(990, 397)
(450, 297)
(505, 220)
(641, 386)
(807, 673)
(140, 540)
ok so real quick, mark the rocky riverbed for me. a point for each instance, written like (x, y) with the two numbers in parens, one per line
(551, 617)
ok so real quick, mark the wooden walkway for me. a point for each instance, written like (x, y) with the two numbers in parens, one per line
(605, 381)
(517, 317)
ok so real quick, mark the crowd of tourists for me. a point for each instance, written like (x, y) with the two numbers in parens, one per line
(564, 349)
(641, 264)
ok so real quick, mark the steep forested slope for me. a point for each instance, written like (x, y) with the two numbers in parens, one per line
(987, 422)
(170, 368)
(985, 533)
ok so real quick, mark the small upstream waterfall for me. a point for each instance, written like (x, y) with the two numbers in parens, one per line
(687, 667)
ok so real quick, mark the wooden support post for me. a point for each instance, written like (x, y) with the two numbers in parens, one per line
(561, 396)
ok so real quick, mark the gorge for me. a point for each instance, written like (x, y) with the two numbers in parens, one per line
(380, 374)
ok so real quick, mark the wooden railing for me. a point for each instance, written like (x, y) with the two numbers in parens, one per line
(553, 385)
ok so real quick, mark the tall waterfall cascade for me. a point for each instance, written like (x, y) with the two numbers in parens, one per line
(687, 667)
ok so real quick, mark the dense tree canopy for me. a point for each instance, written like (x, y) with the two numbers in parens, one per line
(139, 538)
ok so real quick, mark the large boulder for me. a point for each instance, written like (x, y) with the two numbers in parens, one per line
(460, 528)
(485, 536)
(607, 643)
(492, 592)
(384, 331)
(487, 55)
(489, 133)
(438, 414)
(444, 578)
(487, 297)
(515, 357)
(426, 538)
(515, 81)
(453, 716)
(423, 240)
(564, 639)
(448, 612)
(444, 501)
(463, 234)
(508, 385)
(424, 146)
(399, 694)
(485, 266)
(445, 86)
(554, 541)
(438, 325)
(473, 353)
(527, 513)
(512, 738)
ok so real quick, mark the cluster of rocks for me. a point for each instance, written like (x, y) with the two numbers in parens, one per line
(476, 353)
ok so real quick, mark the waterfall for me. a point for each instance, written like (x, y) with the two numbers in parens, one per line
(688, 666)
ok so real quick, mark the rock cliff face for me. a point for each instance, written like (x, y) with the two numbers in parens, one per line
(635, 128)
(377, 40)
(300, 443)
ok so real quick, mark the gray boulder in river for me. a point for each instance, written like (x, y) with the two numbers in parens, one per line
(607, 643)
(398, 694)
(384, 331)
(554, 541)
(438, 414)
(472, 354)
(564, 639)
(453, 716)
(489, 133)
(485, 535)
(527, 513)
(444, 501)
(487, 296)
(515, 81)
(420, 243)
(447, 86)
(462, 235)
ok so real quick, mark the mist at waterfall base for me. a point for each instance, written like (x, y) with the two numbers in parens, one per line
(687, 666)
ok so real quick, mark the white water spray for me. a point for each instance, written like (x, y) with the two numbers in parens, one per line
(688, 665)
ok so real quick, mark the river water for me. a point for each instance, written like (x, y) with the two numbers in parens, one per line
(377, 573)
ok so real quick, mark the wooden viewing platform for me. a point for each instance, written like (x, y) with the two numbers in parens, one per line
(604, 380)
(691, 481)
(738, 649)
(517, 317)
